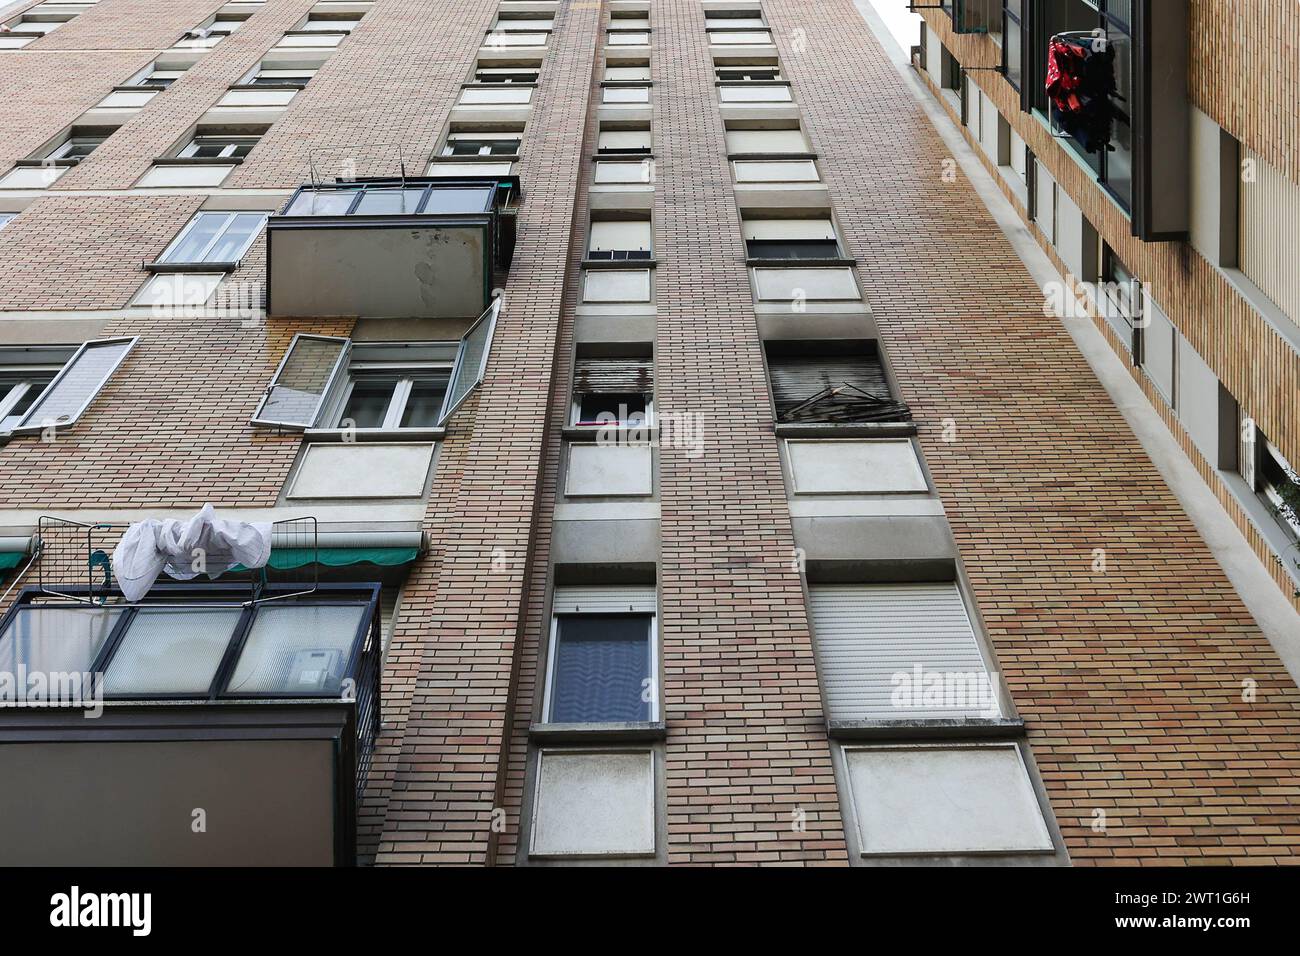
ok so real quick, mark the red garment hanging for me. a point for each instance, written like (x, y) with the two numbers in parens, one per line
(1065, 68)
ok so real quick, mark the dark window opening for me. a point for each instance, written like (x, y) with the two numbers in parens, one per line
(792, 249)
(625, 409)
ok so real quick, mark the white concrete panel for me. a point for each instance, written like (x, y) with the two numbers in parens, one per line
(363, 470)
(594, 803)
(599, 469)
(807, 284)
(854, 467)
(1198, 400)
(944, 799)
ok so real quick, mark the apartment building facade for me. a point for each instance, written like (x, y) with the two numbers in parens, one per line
(668, 462)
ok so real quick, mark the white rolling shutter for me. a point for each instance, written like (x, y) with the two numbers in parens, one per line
(623, 140)
(787, 229)
(766, 141)
(620, 236)
(869, 633)
(604, 600)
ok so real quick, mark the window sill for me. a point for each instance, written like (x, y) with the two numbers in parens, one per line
(834, 262)
(965, 727)
(622, 732)
(859, 430)
(375, 434)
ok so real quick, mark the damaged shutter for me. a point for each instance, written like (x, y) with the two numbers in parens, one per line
(613, 376)
(804, 388)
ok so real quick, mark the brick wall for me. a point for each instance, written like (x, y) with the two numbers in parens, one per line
(1130, 680)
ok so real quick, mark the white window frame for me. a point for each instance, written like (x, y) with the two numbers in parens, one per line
(199, 140)
(553, 646)
(407, 372)
(25, 426)
(216, 238)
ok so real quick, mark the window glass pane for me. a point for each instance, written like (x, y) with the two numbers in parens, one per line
(389, 201)
(425, 403)
(298, 389)
(367, 404)
(55, 640)
(171, 651)
(297, 649)
(29, 385)
(196, 239)
(471, 361)
(236, 238)
(473, 199)
(601, 667)
(322, 202)
(78, 384)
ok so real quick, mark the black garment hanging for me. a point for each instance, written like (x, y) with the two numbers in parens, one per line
(1081, 89)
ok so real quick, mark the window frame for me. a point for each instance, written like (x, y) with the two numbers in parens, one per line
(233, 142)
(229, 217)
(406, 373)
(652, 636)
(24, 426)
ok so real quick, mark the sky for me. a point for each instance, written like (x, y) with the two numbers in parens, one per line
(903, 25)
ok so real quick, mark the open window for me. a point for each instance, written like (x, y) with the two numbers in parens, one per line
(805, 238)
(329, 382)
(613, 392)
(483, 142)
(48, 388)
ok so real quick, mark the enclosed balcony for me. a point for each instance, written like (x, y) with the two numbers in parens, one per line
(390, 248)
(197, 728)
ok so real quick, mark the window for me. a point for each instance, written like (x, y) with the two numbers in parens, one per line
(867, 466)
(219, 146)
(869, 634)
(946, 798)
(207, 36)
(1012, 57)
(481, 143)
(593, 803)
(601, 662)
(525, 21)
(256, 99)
(789, 238)
(1121, 302)
(741, 140)
(39, 390)
(309, 41)
(468, 169)
(733, 19)
(168, 291)
(503, 74)
(619, 240)
(609, 470)
(612, 392)
(1271, 477)
(762, 69)
(393, 386)
(6, 218)
(624, 141)
(288, 76)
(28, 28)
(326, 382)
(616, 285)
(154, 76)
(840, 385)
(623, 70)
(214, 238)
(776, 171)
(323, 23)
(77, 146)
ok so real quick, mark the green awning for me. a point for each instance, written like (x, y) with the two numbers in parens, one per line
(284, 558)
(11, 559)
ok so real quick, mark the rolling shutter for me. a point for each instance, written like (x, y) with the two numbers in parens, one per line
(624, 141)
(798, 378)
(869, 633)
(620, 236)
(766, 141)
(613, 376)
(604, 600)
(787, 229)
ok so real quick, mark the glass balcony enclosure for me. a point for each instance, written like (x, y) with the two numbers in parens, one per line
(390, 248)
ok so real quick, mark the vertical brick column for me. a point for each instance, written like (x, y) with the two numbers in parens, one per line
(1149, 693)
(449, 776)
(748, 764)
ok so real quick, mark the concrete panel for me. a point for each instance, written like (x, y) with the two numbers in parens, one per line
(598, 469)
(944, 799)
(133, 803)
(891, 538)
(849, 467)
(606, 542)
(1198, 400)
(594, 803)
(363, 470)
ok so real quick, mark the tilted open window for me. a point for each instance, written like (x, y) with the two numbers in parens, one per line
(321, 384)
(45, 389)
